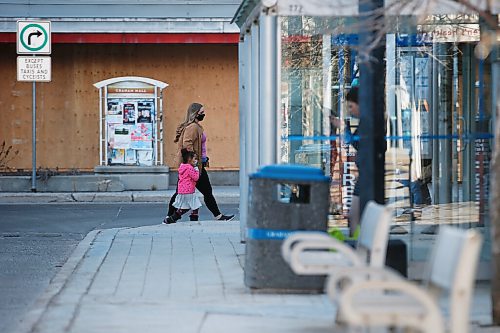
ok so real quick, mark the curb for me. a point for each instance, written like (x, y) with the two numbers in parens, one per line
(223, 197)
(36, 311)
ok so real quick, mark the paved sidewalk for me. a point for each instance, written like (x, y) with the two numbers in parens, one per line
(223, 194)
(186, 277)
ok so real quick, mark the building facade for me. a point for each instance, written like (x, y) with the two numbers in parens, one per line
(190, 46)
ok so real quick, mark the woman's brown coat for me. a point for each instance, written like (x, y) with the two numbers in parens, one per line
(191, 140)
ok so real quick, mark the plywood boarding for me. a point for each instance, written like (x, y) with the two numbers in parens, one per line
(68, 107)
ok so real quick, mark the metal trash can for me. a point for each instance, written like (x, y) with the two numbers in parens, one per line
(283, 199)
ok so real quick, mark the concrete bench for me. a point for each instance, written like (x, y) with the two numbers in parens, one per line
(388, 301)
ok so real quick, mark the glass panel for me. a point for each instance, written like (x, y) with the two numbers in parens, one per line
(316, 69)
(438, 128)
(444, 173)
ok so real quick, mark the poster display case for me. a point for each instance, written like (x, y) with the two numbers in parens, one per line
(131, 121)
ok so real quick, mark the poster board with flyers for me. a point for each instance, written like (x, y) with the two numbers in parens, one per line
(131, 121)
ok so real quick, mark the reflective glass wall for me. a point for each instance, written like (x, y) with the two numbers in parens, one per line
(438, 125)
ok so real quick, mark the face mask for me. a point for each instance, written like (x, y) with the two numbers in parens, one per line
(200, 117)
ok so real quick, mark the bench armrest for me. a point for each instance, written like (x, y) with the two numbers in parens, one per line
(432, 320)
(299, 236)
(341, 277)
(327, 246)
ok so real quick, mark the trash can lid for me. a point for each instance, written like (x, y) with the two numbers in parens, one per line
(294, 172)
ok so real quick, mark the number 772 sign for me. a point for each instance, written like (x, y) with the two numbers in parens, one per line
(33, 37)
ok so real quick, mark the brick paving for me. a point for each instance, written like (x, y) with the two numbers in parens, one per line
(186, 277)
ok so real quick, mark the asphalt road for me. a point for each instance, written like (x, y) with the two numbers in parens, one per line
(37, 239)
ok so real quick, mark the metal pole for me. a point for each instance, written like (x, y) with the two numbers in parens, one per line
(466, 146)
(161, 124)
(295, 90)
(279, 93)
(390, 97)
(33, 148)
(268, 89)
(390, 89)
(249, 86)
(255, 136)
(100, 128)
(371, 156)
(243, 111)
(106, 128)
(155, 128)
(456, 118)
(436, 50)
(444, 128)
(327, 96)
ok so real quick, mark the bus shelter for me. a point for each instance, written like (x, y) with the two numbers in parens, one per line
(299, 59)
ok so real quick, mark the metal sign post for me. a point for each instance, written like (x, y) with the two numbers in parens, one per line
(33, 148)
(33, 37)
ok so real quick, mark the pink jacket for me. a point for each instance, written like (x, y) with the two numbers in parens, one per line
(188, 176)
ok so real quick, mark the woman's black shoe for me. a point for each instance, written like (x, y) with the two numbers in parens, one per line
(223, 217)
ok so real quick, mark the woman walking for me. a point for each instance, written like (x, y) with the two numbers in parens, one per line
(191, 136)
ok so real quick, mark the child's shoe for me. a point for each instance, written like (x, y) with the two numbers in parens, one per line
(168, 220)
(193, 217)
(172, 218)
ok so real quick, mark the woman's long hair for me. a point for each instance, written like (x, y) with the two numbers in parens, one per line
(191, 114)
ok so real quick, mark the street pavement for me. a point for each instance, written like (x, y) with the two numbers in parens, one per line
(185, 277)
(37, 239)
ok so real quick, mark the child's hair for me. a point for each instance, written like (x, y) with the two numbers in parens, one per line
(187, 155)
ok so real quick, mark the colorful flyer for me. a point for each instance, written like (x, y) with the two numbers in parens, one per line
(115, 107)
(114, 119)
(145, 111)
(142, 132)
(117, 156)
(130, 156)
(129, 113)
(141, 144)
(122, 137)
(145, 157)
(142, 136)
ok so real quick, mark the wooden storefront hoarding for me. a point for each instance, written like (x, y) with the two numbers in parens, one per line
(68, 130)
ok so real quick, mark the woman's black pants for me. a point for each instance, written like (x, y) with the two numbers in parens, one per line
(203, 185)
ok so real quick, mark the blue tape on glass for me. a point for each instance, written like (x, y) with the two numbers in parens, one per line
(466, 137)
(268, 234)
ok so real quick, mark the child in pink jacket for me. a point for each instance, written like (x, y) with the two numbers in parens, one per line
(186, 197)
